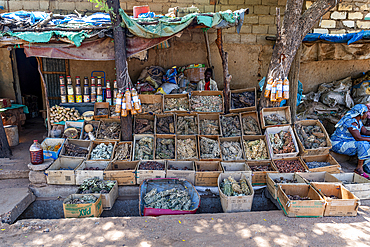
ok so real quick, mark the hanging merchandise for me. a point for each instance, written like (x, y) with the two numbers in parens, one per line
(273, 91)
(279, 89)
(115, 90)
(118, 103)
(93, 90)
(128, 99)
(286, 88)
(124, 108)
(86, 90)
(268, 86)
(109, 93)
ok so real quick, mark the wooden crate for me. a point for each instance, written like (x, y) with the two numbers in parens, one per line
(313, 151)
(282, 111)
(333, 168)
(82, 174)
(229, 115)
(188, 174)
(231, 204)
(274, 130)
(200, 151)
(165, 137)
(346, 204)
(95, 124)
(290, 159)
(109, 120)
(207, 172)
(253, 138)
(100, 105)
(202, 117)
(146, 174)
(361, 186)
(119, 144)
(138, 138)
(158, 116)
(237, 167)
(176, 96)
(273, 187)
(75, 124)
(148, 117)
(232, 139)
(54, 174)
(244, 109)
(185, 115)
(196, 148)
(78, 143)
(82, 210)
(96, 143)
(252, 114)
(259, 177)
(151, 99)
(208, 93)
(318, 177)
(124, 172)
(300, 208)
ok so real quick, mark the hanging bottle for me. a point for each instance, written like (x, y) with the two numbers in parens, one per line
(279, 89)
(36, 153)
(115, 90)
(63, 91)
(133, 111)
(123, 108)
(99, 91)
(78, 90)
(273, 91)
(93, 90)
(118, 103)
(135, 99)
(108, 93)
(286, 88)
(140, 109)
(86, 90)
(268, 86)
(71, 96)
(128, 99)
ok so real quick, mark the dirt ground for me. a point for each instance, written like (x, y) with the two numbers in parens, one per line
(265, 229)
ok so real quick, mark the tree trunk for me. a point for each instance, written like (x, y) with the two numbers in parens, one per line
(293, 78)
(5, 151)
(119, 34)
(289, 36)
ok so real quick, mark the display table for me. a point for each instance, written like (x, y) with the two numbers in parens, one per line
(14, 115)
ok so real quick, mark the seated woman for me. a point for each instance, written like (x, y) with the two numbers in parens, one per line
(348, 137)
(207, 83)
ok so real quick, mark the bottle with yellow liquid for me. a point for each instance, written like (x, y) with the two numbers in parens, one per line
(123, 108)
(128, 99)
(268, 87)
(273, 91)
(279, 89)
(286, 88)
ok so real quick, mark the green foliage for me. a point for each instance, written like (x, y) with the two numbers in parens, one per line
(102, 4)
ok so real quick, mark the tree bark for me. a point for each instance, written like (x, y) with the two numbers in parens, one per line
(293, 78)
(5, 151)
(289, 36)
(119, 34)
(46, 94)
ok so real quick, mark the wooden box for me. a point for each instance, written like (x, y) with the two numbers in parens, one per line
(176, 96)
(231, 139)
(109, 120)
(151, 99)
(259, 177)
(202, 117)
(79, 143)
(244, 109)
(188, 174)
(82, 174)
(282, 111)
(149, 117)
(237, 167)
(196, 147)
(207, 172)
(254, 115)
(333, 168)
(230, 115)
(165, 137)
(54, 174)
(318, 177)
(185, 115)
(96, 143)
(95, 124)
(289, 159)
(358, 185)
(82, 210)
(110, 198)
(274, 130)
(101, 105)
(138, 138)
(207, 93)
(124, 172)
(253, 138)
(273, 187)
(200, 149)
(115, 151)
(158, 116)
(146, 174)
(77, 125)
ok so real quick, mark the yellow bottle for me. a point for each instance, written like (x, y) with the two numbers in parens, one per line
(133, 111)
(135, 99)
(140, 109)
(273, 91)
(118, 102)
(123, 108)
(286, 88)
(279, 89)
(268, 87)
(128, 99)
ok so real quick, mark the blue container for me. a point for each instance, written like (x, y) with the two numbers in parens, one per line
(51, 142)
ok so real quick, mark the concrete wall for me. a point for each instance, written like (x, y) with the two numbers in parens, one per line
(6, 75)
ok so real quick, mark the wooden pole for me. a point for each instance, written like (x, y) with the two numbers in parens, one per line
(119, 34)
(208, 50)
(46, 95)
(293, 79)
(5, 151)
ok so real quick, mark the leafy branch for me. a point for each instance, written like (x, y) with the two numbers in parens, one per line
(102, 4)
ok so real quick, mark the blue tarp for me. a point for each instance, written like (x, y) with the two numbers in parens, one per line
(348, 38)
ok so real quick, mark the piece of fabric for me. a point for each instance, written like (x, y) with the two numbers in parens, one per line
(206, 87)
(16, 106)
(357, 110)
(348, 38)
(212, 86)
(351, 148)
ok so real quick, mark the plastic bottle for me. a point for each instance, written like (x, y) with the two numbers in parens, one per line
(141, 109)
(78, 90)
(93, 90)
(279, 89)
(86, 90)
(71, 96)
(118, 103)
(108, 93)
(128, 99)
(268, 87)
(133, 111)
(99, 91)
(273, 91)
(115, 90)
(123, 108)
(286, 88)
(135, 99)
(36, 153)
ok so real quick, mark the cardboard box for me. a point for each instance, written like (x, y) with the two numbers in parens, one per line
(119, 144)
(231, 204)
(124, 172)
(253, 138)
(77, 125)
(110, 198)
(259, 177)
(138, 138)
(275, 130)
(202, 117)
(254, 115)
(47, 143)
(95, 124)
(333, 168)
(96, 143)
(358, 185)
(300, 208)
(200, 149)
(194, 115)
(82, 210)
(184, 138)
(82, 174)
(151, 99)
(318, 177)
(237, 167)
(176, 96)
(173, 137)
(207, 172)
(79, 143)
(146, 174)
(157, 119)
(188, 174)
(243, 109)
(147, 117)
(313, 151)
(230, 115)
(289, 159)
(231, 139)
(273, 187)
(346, 204)
(109, 120)
(282, 111)
(101, 105)
(54, 174)
(207, 93)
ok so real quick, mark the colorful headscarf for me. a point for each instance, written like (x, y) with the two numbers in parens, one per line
(357, 110)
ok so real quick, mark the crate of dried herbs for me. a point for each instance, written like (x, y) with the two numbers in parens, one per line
(273, 180)
(62, 171)
(281, 142)
(144, 124)
(231, 149)
(112, 112)
(186, 148)
(242, 100)
(255, 148)
(90, 169)
(321, 163)
(147, 169)
(124, 172)
(358, 185)
(143, 147)
(165, 147)
(209, 148)
(250, 123)
(275, 116)
(230, 125)
(123, 151)
(260, 169)
(207, 102)
(165, 124)
(237, 167)
(207, 172)
(102, 150)
(82, 206)
(90, 127)
(181, 169)
(186, 124)
(178, 103)
(75, 148)
(209, 124)
(300, 200)
(236, 192)
(151, 104)
(312, 137)
(101, 110)
(109, 129)
(289, 165)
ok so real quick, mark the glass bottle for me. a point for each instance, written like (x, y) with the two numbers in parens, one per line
(78, 90)
(86, 90)
(93, 90)
(108, 93)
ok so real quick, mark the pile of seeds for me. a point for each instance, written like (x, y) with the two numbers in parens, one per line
(261, 168)
(283, 180)
(93, 169)
(75, 151)
(316, 164)
(209, 148)
(209, 127)
(165, 148)
(241, 100)
(206, 103)
(289, 166)
(165, 125)
(282, 142)
(230, 187)
(186, 125)
(144, 148)
(123, 152)
(82, 200)
(144, 126)
(275, 119)
(151, 165)
(109, 130)
(311, 136)
(174, 199)
(176, 104)
(186, 149)
(153, 108)
(250, 126)
(231, 151)
(102, 152)
(171, 167)
(255, 150)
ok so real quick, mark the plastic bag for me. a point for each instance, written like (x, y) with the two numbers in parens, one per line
(337, 93)
(170, 76)
(167, 88)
